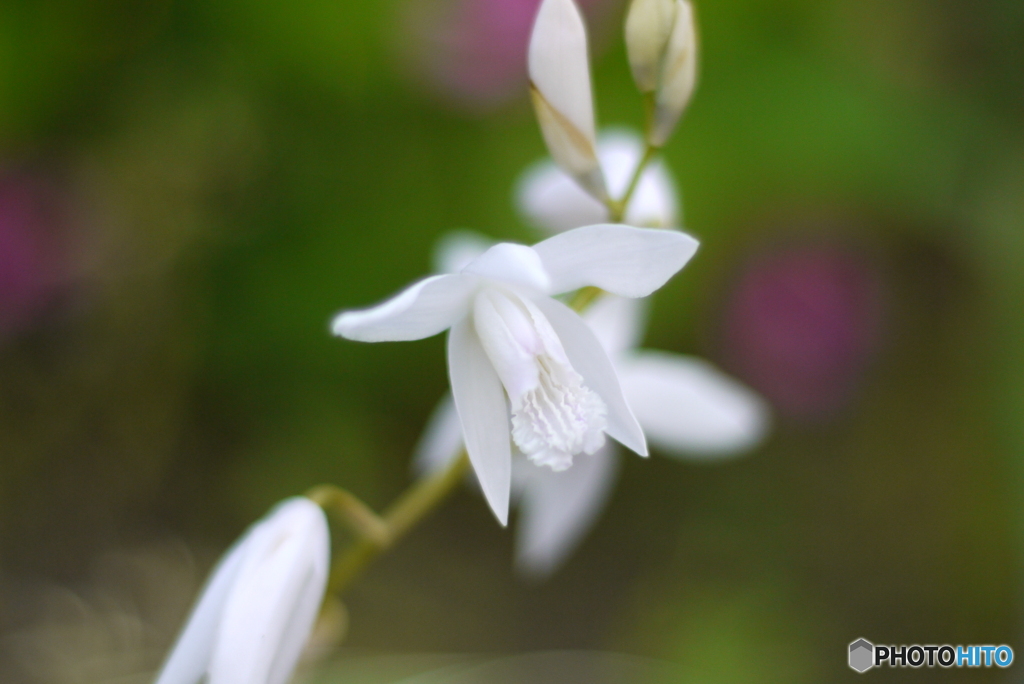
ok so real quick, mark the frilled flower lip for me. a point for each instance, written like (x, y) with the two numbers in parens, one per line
(258, 607)
(631, 262)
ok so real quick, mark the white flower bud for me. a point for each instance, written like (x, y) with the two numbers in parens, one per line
(677, 77)
(648, 27)
(560, 89)
(258, 608)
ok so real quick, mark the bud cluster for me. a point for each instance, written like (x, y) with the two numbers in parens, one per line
(661, 42)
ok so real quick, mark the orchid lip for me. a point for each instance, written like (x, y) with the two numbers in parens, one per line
(554, 414)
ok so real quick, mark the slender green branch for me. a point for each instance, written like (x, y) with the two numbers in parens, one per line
(360, 518)
(410, 508)
(650, 109)
(617, 208)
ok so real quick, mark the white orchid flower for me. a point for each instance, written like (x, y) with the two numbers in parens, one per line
(549, 198)
(559, 70)
(258, 607)
(507, 332)
(686, 407)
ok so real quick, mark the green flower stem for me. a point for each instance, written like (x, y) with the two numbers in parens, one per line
(617, 208)
(359, 517)
(379, 535)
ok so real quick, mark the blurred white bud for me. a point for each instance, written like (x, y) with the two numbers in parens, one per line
(560, 89)
(648, 27)
(677, 75)
(258, 608)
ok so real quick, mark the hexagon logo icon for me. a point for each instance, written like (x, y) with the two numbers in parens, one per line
(862, 655)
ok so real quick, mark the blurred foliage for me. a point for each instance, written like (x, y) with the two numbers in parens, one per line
(238, 171)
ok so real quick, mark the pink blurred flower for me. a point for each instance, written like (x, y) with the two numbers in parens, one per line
(801, 324)
(32, 259)
(474, 51)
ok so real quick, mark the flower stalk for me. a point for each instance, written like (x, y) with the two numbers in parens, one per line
(617, 208)
(377, 534)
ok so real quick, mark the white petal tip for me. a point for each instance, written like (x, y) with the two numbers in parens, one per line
(501, 515)
(339, 326)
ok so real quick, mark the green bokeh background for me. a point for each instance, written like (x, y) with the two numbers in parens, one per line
(242, 170)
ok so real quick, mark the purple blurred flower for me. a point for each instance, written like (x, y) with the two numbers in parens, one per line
(33, 262)
(801, 324)
(474, 51)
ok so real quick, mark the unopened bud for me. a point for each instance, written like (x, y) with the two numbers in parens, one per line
(560, 89)
(677, 76)
(648, 27)
(258, 608)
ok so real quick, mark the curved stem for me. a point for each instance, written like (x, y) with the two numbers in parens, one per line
(359, 517)
(409, 509)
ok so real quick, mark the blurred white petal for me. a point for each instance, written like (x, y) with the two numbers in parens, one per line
(511, 264)
(423, 309)
(441, 440)
(688, 407)
(550, 199)
(591, 361)
(456, 249)
(557, 509)
(481, 406)
(618, 323)
(627, 261)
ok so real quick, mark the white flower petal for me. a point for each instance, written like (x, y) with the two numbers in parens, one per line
(618, 322)
(441, 440)
(654, 203)
(512, 264)
(456, 249)
(558, 62)
(627, 261)
(274, 601)
(424, 309)
(190, 657)
(560, 85)
(557, 509)
(551, 200)
(688, 407)
(591, 361)
(480, 401)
